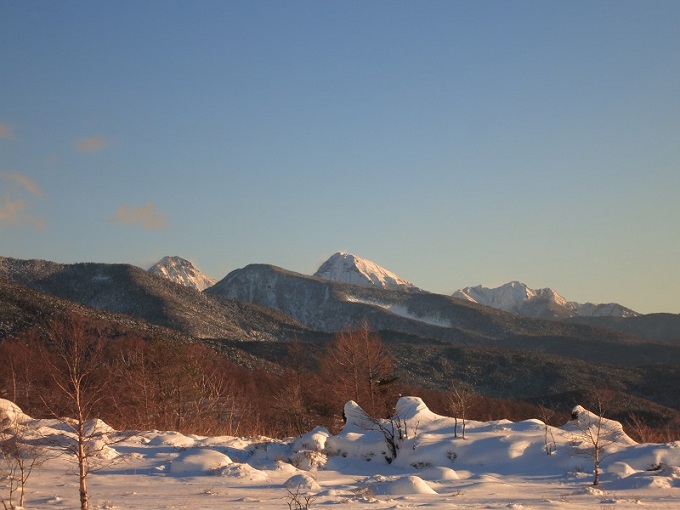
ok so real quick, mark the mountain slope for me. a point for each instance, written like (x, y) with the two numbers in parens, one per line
(516, 297)
(179, 270)
(331, 306)
(655, 327)
(126, 289)
(23, 308)
(347, 268)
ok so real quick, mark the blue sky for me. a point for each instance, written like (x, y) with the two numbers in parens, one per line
(455, 143)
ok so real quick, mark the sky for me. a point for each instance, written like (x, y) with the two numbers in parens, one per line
(455, 143)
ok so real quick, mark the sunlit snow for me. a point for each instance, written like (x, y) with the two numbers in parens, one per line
(403, 311)
(498, 464)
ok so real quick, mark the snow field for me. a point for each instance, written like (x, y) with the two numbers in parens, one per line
(498, 465)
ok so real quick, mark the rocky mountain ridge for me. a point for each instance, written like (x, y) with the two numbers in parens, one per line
(129, 290)
(516, 297)
(329, 306)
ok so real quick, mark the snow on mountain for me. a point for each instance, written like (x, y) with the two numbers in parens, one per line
(516, 297)
(347, 268)
(508, 297)
(181, 271)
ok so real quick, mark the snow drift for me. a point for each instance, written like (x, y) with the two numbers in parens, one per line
(497, 463)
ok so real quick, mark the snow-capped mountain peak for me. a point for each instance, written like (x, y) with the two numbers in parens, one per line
(348, 268)
(516, 297)
(181, 271)
(509, 297)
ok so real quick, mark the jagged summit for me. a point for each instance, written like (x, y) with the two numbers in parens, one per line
(348, 268)
(509, 296)
(181, 271)
(516, 297)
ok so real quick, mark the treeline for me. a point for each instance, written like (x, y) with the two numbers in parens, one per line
(77, 367)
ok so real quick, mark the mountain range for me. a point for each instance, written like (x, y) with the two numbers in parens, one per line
(516, 297)
(254, 311)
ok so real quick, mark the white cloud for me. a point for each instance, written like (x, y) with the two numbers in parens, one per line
(145, 216)
(14, 205)
(92, 144)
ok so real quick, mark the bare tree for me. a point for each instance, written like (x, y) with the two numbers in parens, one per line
(75, 356)
(548, 437)
(459, 402)
(299, 500)
(643, 432)
(395, 430)
(594, 434)
(359, 366)
(21, 454)
(296, 395)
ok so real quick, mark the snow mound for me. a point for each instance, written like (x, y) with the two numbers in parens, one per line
(244, 472)
(314, 440)
(99, 448)
(439, 474)
(10, 413)
(407, 408)
(611, 430)
(620, 469)
(413, 408)
(96, 426)
(403, 486)
(199, 462)
(666, 477)
(307, 449)
(308, 459)
(175, 439)
(355, 416)
(302, 481)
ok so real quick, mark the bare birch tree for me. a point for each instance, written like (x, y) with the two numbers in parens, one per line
(594, 434)
(74, 354)
(21, 455)
(459, 402)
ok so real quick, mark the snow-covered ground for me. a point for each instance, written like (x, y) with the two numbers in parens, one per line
(498, 465)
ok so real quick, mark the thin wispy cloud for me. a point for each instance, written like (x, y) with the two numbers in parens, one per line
(23, 181)
(145, 216)
(6, 130)
(14, 202)
(92, 144)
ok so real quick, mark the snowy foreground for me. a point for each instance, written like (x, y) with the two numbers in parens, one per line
(499, 464)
